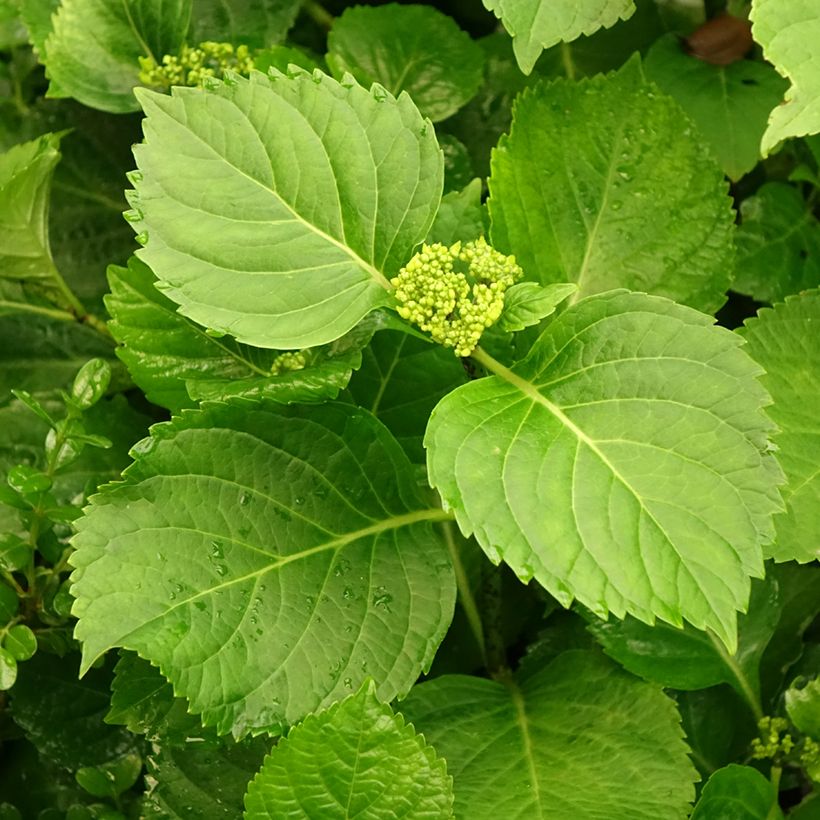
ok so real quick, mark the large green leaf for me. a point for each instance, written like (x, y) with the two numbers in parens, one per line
(62, 716)
(538, 24)
(785, 342)
(461, 217)
(729, 104)
(778, 244)
(176, 362)
(622, 463)
(689, 659)
(401, 380)
(267, 560)
(93, 50)
(576, 738)
(789, 33)
(283, 233)
(255, 23)
(416, 49)
(357, 759)
(738, 793)
(603, 183)
(25, 185)
(200, 779)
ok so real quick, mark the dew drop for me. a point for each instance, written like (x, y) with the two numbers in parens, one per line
(244, 499)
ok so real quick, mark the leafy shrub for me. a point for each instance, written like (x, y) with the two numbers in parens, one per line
(436, 435)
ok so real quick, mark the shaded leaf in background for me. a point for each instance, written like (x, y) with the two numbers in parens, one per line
(93, 49)
(401, 380)
(267, 560)
(254, 23)
(144, 702)
(785, 341)
(538, 24)
(323, 190)
(458, 166)
(628, 446)
(413, 48)
(573, 738)
(729, 104)
(461, 216)
(789, 33)
(63, 716)
(739, 793)
(690, 659)
(356, 759)
(201, 779)
(598, 184)
(778, 244)
(177, 363)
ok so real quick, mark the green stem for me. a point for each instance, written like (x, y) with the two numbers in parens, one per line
(51, 313)
(319, 14)
(74, 305)
(748, 692)
(567, 61)
(496, 649)
(465, 593)
(774, 809)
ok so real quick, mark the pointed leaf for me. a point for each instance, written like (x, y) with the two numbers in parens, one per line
(789, 33)
(280, 247)
(177, 363)
(785, 341)
(460, 217)
(778, 244)
(527, 303)
(739, 793)
(267, 560)
(538, 24)
(730, 104)
(576, 738)
(356, 759)
(25, 185)
(584, 190)
(93, 50)
(416, 49)
(621, 463)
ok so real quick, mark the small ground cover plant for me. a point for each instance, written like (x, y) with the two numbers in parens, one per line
(437, 433)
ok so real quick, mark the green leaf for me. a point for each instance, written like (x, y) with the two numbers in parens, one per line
(803, 707)
(37, 15)
(206, 780)
(111, 779)
(283, 236)
(538, 24)
(783, 340)
(356, 759)
(416, 49)
(729, 104)
(20, 642)
(583, 190)
(144, 702)
(9, 603)
(788, 33)
(690, 659)
(93, 49)
(737, 793)
(460, 217)
(37, 354)
(8, 670)
(311, 565)
(254, 23)
(401, 380)
(778, 244)
(177, 363)
(25, 183)
(12, 31)
(458, 167)
(527, 303)
(575, 738)
(67, 728)
(628, 446)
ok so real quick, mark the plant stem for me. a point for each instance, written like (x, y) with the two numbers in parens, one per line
(751, 697)
(496, 650)
(774, 809)
(319, 14)
(567, 61)
(51, 313)
(465, 594)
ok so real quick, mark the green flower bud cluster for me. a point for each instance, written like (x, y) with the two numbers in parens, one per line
(288, 362)
(455, 307)
(810, 755)
(774, 740)
(194, 65)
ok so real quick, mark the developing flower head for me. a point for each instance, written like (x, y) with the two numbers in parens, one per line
(288, 361)
(774, 738)
(194, 65)
(455, 306)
